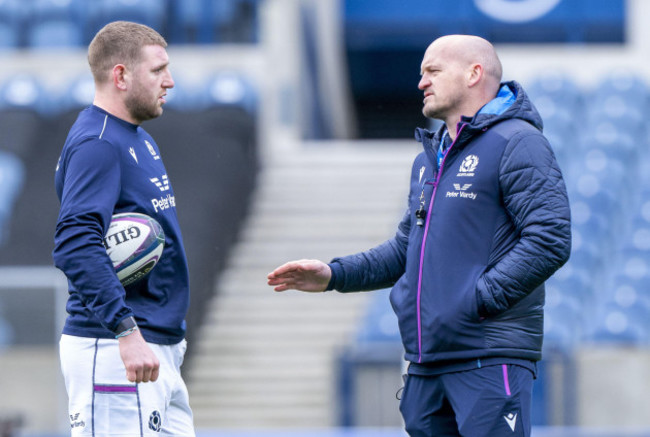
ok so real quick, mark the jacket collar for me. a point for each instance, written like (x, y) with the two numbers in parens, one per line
(510, 102)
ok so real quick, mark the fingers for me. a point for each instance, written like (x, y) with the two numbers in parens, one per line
(145, 371)
(287, 268)
(140, 362)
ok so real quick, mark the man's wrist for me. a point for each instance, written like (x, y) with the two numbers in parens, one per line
(126, 327)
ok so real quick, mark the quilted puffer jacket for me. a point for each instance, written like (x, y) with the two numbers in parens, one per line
(481, 234)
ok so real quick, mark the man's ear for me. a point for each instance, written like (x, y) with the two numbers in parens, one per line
(119, 79)
(474, 74)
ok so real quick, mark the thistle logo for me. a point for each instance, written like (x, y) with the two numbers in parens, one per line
(152, 150)
(155, 421)
(468, 166)
(162, 184)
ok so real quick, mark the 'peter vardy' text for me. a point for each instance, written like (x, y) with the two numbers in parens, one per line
(164, 203)
(463, 194)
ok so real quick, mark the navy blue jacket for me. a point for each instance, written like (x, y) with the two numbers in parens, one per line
(468, 281)
(109, 166)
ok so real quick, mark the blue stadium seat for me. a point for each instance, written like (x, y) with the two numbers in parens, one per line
(6, 334)
(560, 89)
(622, 114)
(79, 93)
(51, 33)
(616, 326)
(604, 183)
(9, 36)
(573, 282)
(610, 138)
(625, 84)
(592, 217)
(633, 264)
(186, 96)
(186, 20)
(12, 176)
(54, 9)
(231, 89)
(152, 13)
(380, 323)
(26, 92)
(13, 14)
(563, 314)
(630, 296)
(213, 21)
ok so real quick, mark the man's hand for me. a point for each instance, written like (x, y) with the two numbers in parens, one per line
(303, 275)
(141, 363)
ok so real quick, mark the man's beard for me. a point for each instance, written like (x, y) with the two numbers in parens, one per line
(140, 109)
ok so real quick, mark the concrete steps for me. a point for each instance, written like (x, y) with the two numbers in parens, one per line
(267, 359)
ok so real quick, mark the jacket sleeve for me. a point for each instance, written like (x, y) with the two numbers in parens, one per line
(535, 196)
(376, 268)
(90, 191)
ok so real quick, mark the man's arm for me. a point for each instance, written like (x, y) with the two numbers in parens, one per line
(535, 196)
(91, 189)
(375, 268)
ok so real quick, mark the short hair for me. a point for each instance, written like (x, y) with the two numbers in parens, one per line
(119, 42)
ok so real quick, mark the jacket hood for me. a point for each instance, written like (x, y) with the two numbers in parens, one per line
(510, 102)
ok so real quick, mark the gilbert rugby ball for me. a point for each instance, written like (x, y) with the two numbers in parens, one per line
(134, 243)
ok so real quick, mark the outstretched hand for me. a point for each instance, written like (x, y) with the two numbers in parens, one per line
(304, 275)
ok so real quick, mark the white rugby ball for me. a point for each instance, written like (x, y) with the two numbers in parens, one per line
(134, 243)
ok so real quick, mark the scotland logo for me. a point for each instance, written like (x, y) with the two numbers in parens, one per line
(468, 166)
(155, 421)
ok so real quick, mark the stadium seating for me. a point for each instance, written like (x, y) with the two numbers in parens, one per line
(12, 175)
(60, 33)
(149, 12)
(230, 89)
(380, 322)
(8, 36)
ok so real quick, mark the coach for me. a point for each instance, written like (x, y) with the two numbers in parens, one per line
(487, 223)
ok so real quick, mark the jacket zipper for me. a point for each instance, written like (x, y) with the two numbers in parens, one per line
(424, 239)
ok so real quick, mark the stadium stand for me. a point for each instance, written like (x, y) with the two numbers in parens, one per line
(254, 212)
(12, 175)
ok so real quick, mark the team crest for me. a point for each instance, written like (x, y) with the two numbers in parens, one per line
(152, 150)
(468, 166)
(155, 421)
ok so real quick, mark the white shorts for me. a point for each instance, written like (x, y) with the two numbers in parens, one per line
(102, 402)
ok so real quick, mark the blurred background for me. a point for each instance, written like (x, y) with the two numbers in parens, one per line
(289, 135)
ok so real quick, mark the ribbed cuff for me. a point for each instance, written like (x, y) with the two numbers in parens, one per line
(125, 325)
(336, 281)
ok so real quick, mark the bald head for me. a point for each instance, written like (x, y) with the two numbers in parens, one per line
(469, 49)
(459, 74)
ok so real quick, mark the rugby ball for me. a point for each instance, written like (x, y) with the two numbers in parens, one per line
(134, 243)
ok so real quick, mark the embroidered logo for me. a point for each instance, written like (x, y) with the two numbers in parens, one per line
(152, 150)
(132, 152)
(76, 422)
(511, 419)
(155, 421)
(464, 187)
(162, 184)
(468, 166)
(166, 201)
